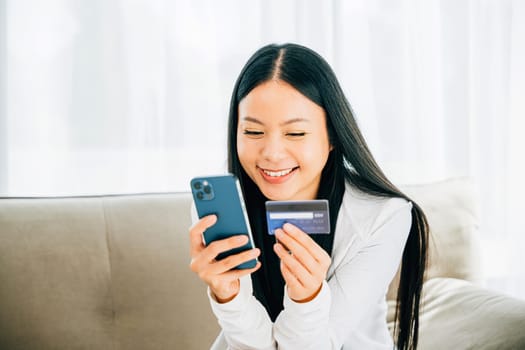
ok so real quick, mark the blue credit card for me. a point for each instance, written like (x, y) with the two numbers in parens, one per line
(310, 216)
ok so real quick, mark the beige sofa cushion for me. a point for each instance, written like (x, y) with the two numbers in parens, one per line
(457, 314)
(452, 213)
(55, 273)
(100, 273)
(159, 302)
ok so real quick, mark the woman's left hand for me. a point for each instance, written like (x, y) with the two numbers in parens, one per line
(304, 263)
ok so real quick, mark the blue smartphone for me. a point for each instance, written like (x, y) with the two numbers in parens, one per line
(222, 195)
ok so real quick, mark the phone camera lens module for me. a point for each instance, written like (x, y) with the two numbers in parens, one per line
(200, 195)
(197, 185)
(207, 189)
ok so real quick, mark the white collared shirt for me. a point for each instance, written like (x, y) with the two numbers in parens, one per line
(350, 310)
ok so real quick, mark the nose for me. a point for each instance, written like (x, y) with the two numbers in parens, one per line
(273, 148)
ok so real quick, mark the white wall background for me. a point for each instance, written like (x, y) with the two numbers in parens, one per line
(132, 96)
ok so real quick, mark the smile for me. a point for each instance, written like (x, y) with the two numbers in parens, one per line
(277, 176)
(277, 173)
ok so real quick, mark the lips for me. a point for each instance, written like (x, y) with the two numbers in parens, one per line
(277, 173)
(277, 176)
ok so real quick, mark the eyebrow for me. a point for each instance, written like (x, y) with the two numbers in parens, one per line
(289, 121)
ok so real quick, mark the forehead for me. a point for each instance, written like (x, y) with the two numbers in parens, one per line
(276, 100)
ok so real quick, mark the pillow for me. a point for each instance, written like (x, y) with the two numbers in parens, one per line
(457, 314)
(452, 213)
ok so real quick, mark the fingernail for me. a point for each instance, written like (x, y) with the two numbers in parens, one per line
(242, 239)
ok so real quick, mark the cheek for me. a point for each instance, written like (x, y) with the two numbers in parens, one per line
(315, 154)
(243, 152)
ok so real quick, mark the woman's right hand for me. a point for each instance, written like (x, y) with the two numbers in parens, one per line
(219, 275)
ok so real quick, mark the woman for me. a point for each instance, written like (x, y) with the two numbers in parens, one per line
(292, 136)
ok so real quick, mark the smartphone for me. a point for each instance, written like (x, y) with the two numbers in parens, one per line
(222, 195)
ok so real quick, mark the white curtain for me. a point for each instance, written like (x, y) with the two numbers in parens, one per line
(132, 96)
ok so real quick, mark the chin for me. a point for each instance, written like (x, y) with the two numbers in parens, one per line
(276, 195)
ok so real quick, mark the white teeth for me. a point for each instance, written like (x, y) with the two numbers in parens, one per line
(278, 173)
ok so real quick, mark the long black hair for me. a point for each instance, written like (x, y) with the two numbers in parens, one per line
(350, 160)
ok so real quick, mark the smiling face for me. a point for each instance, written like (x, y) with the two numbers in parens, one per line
(282, 141)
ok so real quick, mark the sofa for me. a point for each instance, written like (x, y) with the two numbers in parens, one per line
(112, 272)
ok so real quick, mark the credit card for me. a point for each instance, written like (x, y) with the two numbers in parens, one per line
(310, 216)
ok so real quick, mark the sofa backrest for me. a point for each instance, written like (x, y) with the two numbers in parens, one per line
(112, 272)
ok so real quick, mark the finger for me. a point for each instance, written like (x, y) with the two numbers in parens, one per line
(196, 231)
(223, 245)
(233, 261)
(204, 258)
(306, 241)
(296, 291)
(227, 277)
(290, 279)
(304, 276)
(298, 250)
(236, 274)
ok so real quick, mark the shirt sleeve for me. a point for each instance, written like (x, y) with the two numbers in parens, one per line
(244, 321)
(355, 289)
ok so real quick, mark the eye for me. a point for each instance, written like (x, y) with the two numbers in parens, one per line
(295, 134)
(253, 133)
